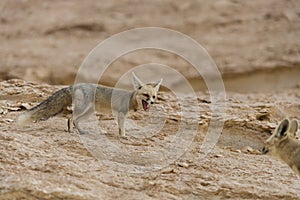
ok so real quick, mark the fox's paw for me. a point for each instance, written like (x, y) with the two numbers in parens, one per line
(82, 132)
(124, 137)
(122, 133)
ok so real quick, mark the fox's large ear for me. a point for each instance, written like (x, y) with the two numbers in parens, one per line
(157, 85)
(282, 129)
(293, 128)
(137, 83)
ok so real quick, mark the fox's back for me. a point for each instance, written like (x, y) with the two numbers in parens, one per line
(108, 99)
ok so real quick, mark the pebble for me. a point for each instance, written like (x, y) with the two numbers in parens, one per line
(183, 164)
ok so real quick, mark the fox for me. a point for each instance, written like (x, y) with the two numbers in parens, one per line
(284, 145)
(85, 98)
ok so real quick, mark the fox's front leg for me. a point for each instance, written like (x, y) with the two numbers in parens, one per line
(70, 121)
(121, 122)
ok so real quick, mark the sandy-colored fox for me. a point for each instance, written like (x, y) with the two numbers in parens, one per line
(90, 97)
(284, 145)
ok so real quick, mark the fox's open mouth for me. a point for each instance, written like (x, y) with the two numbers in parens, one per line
(146, 105)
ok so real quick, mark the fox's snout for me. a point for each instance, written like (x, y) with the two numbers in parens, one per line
(150, 100)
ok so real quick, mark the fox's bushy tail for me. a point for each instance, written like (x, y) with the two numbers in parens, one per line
(48, 108)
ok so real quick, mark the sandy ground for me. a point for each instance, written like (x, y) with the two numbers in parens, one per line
(44, 161)
(256, 47)
(40, 38)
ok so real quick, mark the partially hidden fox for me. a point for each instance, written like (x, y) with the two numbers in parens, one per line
(85, 98)
(284, 145)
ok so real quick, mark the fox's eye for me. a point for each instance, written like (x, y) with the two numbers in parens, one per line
(153, 97)
(146, 95)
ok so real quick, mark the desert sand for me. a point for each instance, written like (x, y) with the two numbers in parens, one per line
(256, 47)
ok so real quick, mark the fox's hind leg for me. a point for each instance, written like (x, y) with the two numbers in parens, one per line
(80, 115)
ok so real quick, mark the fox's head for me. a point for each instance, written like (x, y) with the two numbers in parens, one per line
(284, 131)
(146, 94)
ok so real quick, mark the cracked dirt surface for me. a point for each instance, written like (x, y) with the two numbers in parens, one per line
(40, 38)
(44, 161)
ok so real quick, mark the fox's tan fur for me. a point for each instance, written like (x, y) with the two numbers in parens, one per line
(90, 97)
(284, 145)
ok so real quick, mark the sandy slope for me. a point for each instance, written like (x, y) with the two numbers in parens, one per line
(256, 46)
(40, 38)
(43, 161)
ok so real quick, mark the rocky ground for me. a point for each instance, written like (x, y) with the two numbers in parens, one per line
(256, 47)
(44, 161)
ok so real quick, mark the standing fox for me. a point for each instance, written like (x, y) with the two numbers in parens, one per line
(283, 144)
(89, 97)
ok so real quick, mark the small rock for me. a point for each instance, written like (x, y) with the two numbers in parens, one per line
(151, 182)
(3, 111)
(26, 106)
(7, 120)
(204, 116)
(262, 116)
(235, 150)
(247, 149)
(218, 156)
(13, 108)
(271, 125)
(183, 164)
(250, 150)
(256, 152)
(201, 122)
(238, 120)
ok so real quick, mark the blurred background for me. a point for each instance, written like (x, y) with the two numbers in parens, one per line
(255, 44)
